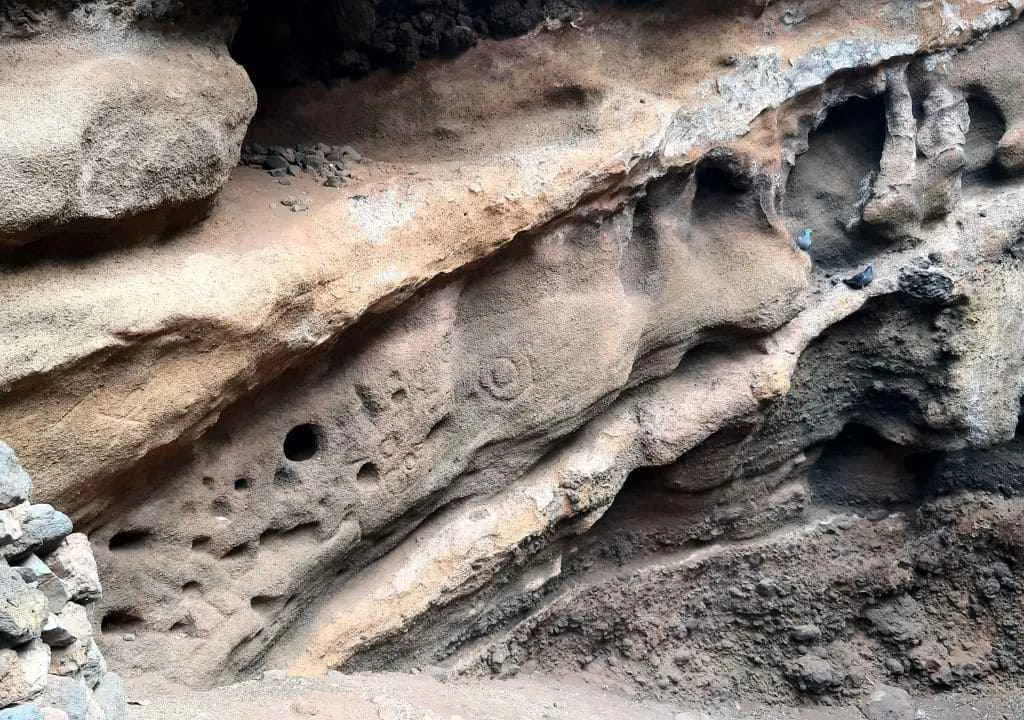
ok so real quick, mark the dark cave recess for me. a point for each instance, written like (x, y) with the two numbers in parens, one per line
(287, 43)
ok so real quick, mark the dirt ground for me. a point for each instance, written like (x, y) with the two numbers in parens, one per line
(393, 696)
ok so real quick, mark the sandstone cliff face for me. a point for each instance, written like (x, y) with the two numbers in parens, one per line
(546, 382)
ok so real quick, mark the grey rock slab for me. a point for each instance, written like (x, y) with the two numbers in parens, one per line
(43, 529)
(74, 563)
(71, 696)
(10, 528)
(71, 624)
(22, 712)
(23, 672)
(888, 703)
(95, 666)
(15, 484)
(22, 609)
(110, 697)
(56, 591)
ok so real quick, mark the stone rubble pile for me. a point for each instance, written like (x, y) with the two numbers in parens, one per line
(50, 664)
(330, 162)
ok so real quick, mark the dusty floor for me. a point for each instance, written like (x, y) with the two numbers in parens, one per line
(532, 697)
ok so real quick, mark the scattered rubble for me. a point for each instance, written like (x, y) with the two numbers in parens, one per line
(331, 163)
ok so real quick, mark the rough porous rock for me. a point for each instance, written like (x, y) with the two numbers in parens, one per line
(108, 124)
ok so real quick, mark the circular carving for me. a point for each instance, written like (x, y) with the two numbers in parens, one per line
(506, 377)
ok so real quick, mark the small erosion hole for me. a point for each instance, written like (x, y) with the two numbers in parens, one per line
(117, 621)
(302, 442)
(221, 506)
(285, 476)
(186, 625)
(439, 428)
(300, 532)
(127, 539)
(242, 484)
(237, 550)
(368, 473)
(267, 603)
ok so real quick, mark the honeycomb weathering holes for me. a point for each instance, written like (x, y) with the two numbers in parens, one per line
(302, 442)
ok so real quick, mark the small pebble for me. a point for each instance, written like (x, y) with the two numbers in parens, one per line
(304, 706)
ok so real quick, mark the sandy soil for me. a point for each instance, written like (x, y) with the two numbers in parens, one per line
(421, 697)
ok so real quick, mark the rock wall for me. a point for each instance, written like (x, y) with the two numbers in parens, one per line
(113, 126)
(50, 664)
(551, 377)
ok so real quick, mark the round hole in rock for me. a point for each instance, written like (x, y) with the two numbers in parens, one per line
(285, 476)
(302, 442)
(221, 506)
(127, 539)
(120, 621)
(368, 473)
(242, 484)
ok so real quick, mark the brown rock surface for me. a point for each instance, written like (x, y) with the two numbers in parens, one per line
(549, 367)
